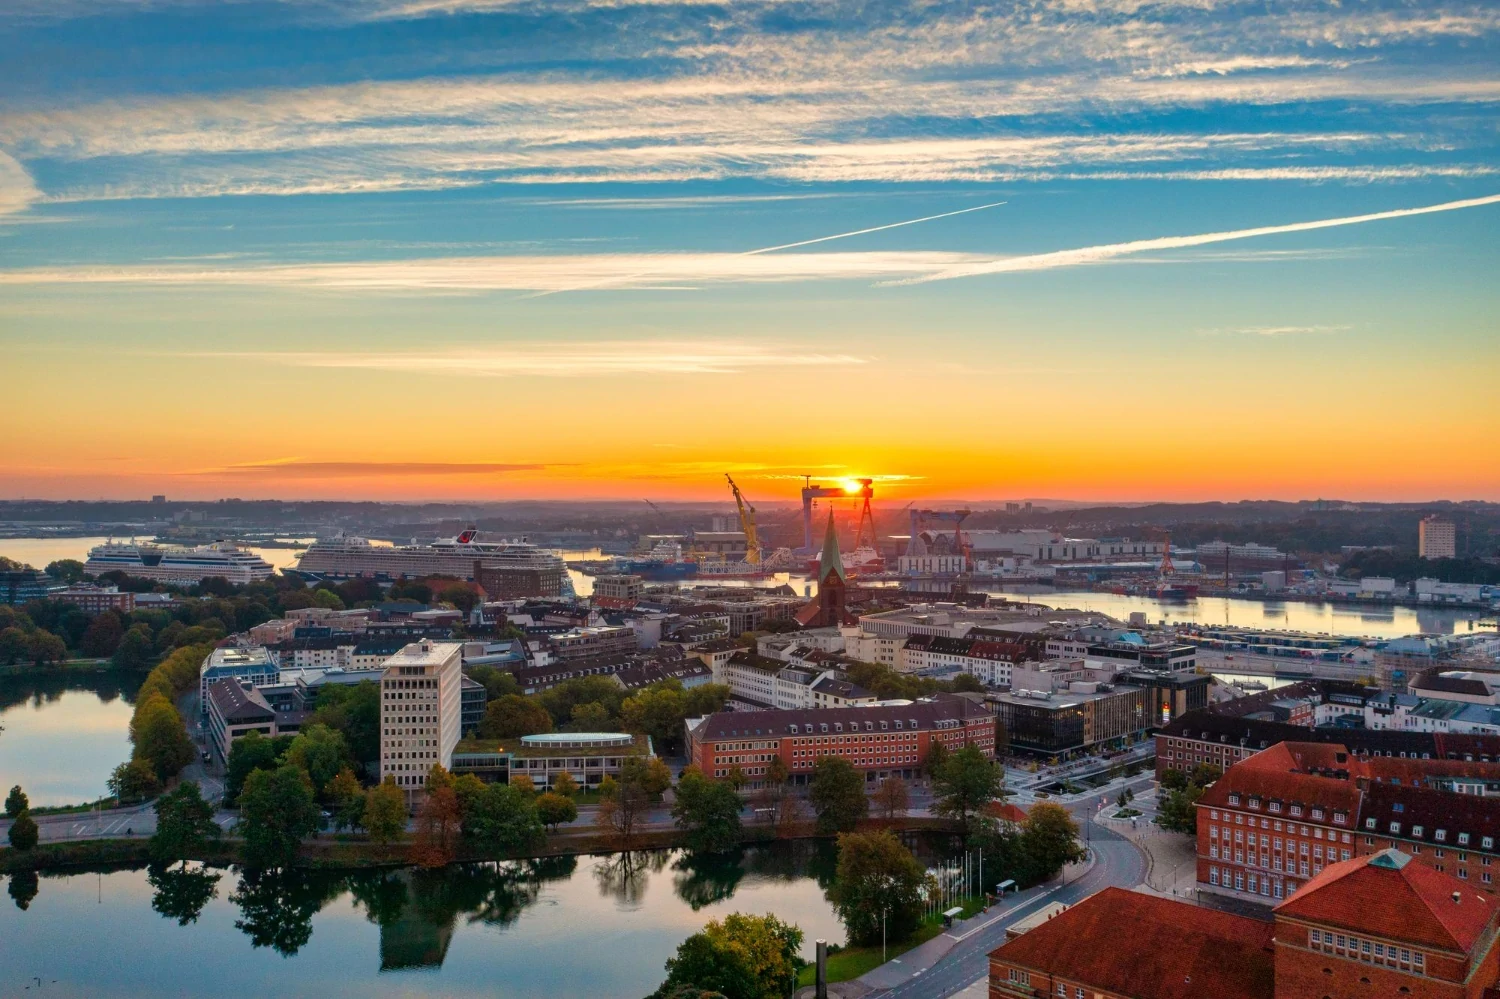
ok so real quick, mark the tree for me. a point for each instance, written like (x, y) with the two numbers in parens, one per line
(354, 710)
(513, 716)
(136, 650)
(15, 646)
(460, 595)
(555, 809)
(103, 636)
(1049, 840)
(837, 794)
(891, 798)
(16, 802)
(160, 738)
(248, 753)
(658, 777)
(384, 816)
(437, 821)
(621, 804)
(878, 876)
(708, 811)
(65, 570)
(184, 824)
(965, 784)
(591, 717)
(133, 781)
(277, 811)
(967, 683)
(936, 759)
(347, 799)
(524, 783)
(320, 751)
(328, 599)
(741, 957)
(1178, 811)
(47, 648)
(23, 831)
(564, 784)
(505, 818)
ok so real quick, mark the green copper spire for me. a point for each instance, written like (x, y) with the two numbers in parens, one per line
(832, 560)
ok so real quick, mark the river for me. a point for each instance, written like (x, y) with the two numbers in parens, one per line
(587, 926)
(38, 552)
(62, 734)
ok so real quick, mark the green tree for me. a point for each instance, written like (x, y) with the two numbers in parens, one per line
(136, 650)
(160, 738)
(47, 648)
(328, 599)
(936, 758)
(555, 809)
(23, 831)
(965, 784)
(837, 794)
(460, 595)
(347, 799)
(16, 802)
(320, 751)
(384, 816)
(513, 716)
(497, 682)
(1178, 811)
(1049, 840)
(247, 754)
(708, 811)
(65, 570)
(505, 818)
(591, 717)
(741, 957)
(184, 825)
(15, 645)
(133, 781)
(354, 710)
(878, 876)
(277, 811)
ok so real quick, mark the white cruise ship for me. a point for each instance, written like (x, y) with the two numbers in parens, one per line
(177, 564)
(346, 557)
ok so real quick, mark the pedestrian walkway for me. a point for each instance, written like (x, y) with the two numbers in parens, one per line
(922, 957)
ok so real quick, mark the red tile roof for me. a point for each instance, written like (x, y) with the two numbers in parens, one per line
(1273, 784)
(1389, 896)
(1007, 812)
(1302, 757)
(1151, 948)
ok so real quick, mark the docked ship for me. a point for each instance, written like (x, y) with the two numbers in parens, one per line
(862, 561)
(664, 561)
(176, 564)
(347, 557)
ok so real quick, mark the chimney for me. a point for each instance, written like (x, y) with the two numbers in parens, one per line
(820, 987)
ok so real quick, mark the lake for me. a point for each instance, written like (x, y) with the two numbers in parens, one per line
(587, 926)
(62, 734)
(38, 552)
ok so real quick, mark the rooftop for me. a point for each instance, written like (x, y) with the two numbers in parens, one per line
(638, 745)
(425, 654)
(1172, 950)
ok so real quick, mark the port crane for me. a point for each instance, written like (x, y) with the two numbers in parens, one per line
(747, 524)
(954, 517)
(811, 492)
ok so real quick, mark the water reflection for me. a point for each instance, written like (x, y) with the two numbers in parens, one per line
(23, 888)
(182, 893)
(62, 733)
(624, 876)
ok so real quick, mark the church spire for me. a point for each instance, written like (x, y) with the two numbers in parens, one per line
(832, 560)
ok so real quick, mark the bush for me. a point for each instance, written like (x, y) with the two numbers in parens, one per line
(23, 832)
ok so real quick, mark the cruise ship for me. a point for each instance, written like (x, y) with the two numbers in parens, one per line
(347, 557)
(177, 564)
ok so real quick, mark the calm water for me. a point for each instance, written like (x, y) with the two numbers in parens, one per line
(1332, 619)
(62, 735)
(587, 926)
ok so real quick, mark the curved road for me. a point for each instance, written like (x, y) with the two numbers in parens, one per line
(1117, 862)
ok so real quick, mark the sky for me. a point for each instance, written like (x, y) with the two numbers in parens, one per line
(504, 249)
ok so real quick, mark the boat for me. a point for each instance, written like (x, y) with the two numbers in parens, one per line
(178, 564)
(663, 562)
(1173, 591)
(862, 561)
(346, 557)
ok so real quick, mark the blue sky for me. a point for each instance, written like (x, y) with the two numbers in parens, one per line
(338, 202)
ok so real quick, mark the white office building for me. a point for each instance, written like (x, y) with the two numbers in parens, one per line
(420, 711)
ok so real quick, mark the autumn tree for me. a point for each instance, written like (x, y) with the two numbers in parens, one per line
(555, 809)
(133, 781)
(160, 738)
(740, 957)
(892, 799)
(347, 799)
(384, 815)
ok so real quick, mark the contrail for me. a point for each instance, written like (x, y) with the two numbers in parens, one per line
(1095, 254)
(772, 249)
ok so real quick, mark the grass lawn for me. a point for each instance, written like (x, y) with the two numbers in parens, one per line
(851, 962)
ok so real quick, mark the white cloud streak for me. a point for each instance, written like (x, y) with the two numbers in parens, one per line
(17, 190)
(1112, 251)
(551, 360)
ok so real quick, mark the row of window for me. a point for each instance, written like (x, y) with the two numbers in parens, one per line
(1364, 949)
(1291, 828)
(1254, 884)
(1295, 810)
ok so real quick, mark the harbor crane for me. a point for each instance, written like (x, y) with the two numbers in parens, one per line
(954, 517)
(811, 492)
(747, 524)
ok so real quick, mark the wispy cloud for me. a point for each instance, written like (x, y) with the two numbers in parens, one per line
(1277, 331)
(17, 190)
(300, 469)
(550, 360)
(1111, 251)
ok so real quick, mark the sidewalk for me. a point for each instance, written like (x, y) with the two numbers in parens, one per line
(919, 959)
(1171, 858)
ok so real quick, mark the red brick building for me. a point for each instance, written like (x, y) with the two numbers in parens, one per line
(1369, 926)
(1277, 819)
(881, 740)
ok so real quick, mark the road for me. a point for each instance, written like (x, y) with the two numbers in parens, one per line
(1117, 862)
